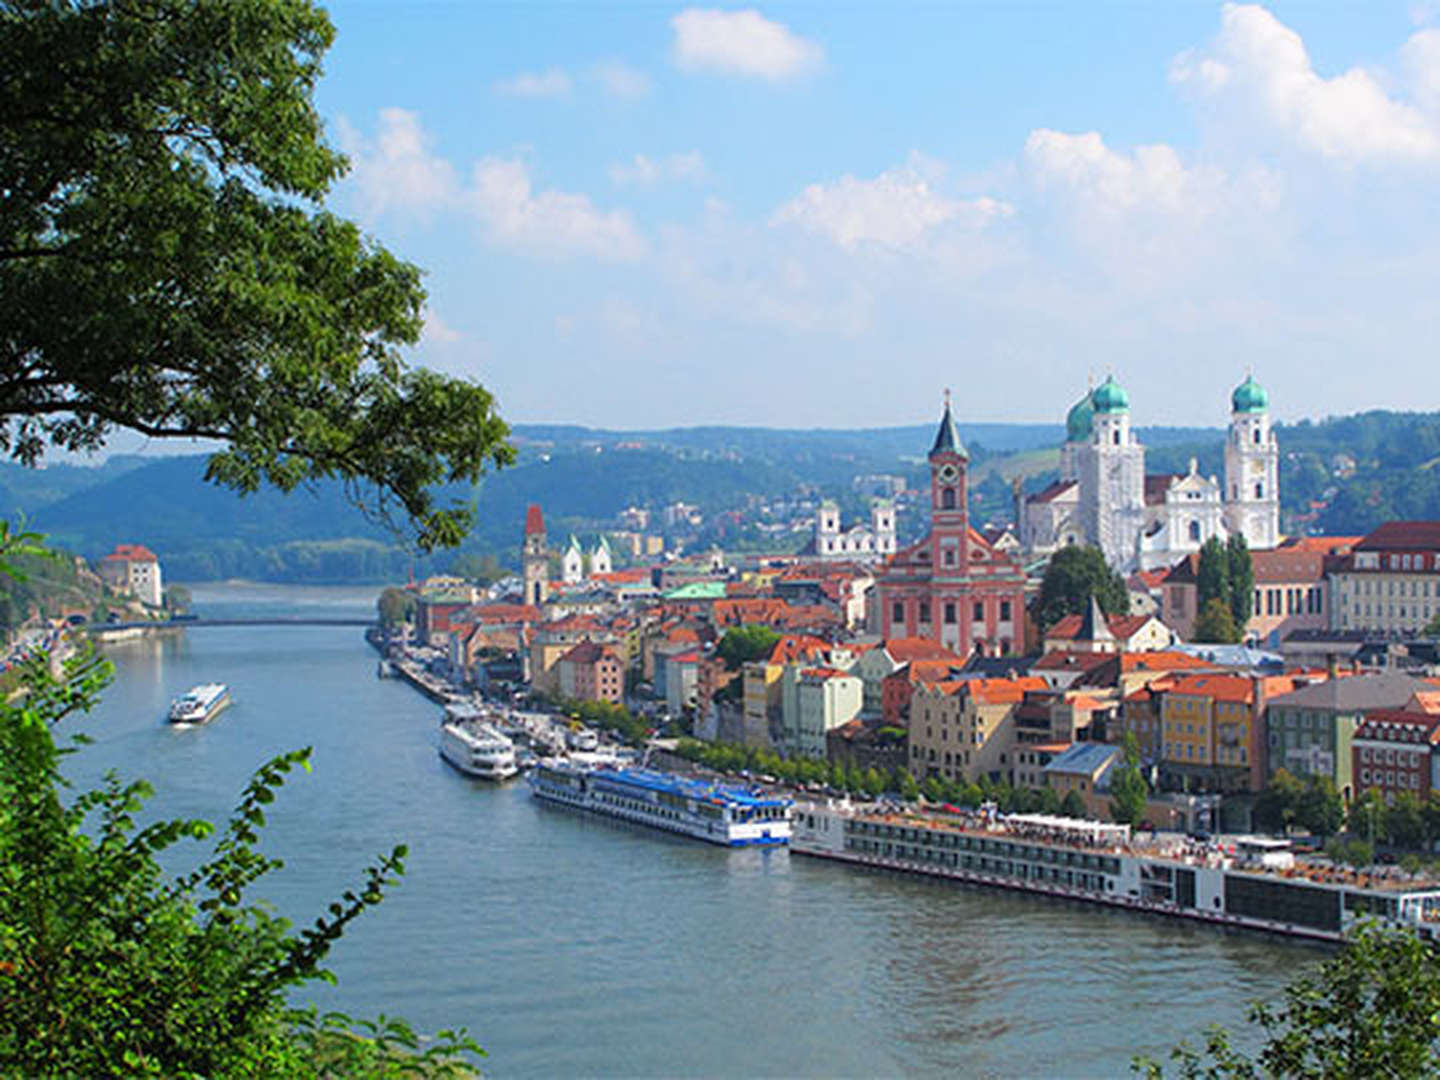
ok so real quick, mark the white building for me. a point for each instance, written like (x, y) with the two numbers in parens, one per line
(860, 542)
(133, 568)
(1104, 497)
(600, 560)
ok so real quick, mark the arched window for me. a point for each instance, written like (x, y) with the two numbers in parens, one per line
(1259, 491)
(947, 499)
(1257, 435)
(1194, 530)
(1115, 436)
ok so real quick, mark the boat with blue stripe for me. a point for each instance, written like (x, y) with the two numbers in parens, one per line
(718, 813)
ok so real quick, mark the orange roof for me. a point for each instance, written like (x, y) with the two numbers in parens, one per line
(1003, 691)
(1426, 701)
(132, 553)
(822, 672)
(793, 648)
(1328, 545)
(1232, 688)
(1122, 626)
(634, 576)
(923, 671)
(904, 650)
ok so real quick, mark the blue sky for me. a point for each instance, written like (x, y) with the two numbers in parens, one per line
(820, 215)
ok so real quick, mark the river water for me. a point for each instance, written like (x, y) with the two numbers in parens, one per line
(570, 946)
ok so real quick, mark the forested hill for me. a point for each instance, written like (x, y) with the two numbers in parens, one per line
(1341, 475)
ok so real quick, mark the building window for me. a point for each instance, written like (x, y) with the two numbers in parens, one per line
(949, 613)
(897, 612)
(924, 611)
(1194, 530)
(1259, 491)
(979, 612)
(1256, 434)
(1004, 610)
(947, 499)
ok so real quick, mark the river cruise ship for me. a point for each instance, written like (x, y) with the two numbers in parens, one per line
(721, 814)
(476, 748)
(1247, 882)
(200, 704)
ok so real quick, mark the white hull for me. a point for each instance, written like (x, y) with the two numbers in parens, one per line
(478, 750)
(200, 705)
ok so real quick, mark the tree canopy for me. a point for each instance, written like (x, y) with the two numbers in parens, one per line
(1073, 576)
(1373, 1009)
(1215, 623)
(167, 266)
(1129, 791)
(742, 644)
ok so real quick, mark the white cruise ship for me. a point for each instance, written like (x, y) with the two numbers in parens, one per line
(199, 704)
(477, 749)
(720, 814)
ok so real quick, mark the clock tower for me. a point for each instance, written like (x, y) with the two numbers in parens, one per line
(949, 514)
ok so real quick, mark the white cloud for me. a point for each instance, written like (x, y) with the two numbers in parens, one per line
(895, 210)
(503, 198)
(437, 330)
(396, 169)
(620, 80)
(1421, 55)
(741, 43)
(1260, 69)
(644, 171)
(1152, 178)
(539, 84)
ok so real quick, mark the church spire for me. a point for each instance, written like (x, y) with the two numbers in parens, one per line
(947, 439)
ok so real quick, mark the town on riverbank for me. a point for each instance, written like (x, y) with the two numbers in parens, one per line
(1201, 675)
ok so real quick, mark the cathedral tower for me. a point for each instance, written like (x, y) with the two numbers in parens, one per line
(1112, 477)
(535, 559)
(1252, 469)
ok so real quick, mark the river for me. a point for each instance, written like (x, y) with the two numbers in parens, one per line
(575, 946)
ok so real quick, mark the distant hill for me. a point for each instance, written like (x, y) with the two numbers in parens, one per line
(1340, 475)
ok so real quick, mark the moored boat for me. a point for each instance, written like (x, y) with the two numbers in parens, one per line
(717, 813)
(477, 749)
(1252, 883)
(199, 704)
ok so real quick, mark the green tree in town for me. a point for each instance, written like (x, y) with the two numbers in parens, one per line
(1212, 578)
(1073, 805)
(933, 789)
(177, 598)
(1369, 815)
(166, 265)
(1215, 624)
(395, 607)
(1432, 628)
(742, 644)
(873, 783)
(1129, 791)
(1048, 801)
(1241, 572)
(1405, 822)
(1278, 806)
(908, 788)
(1320, 808)
(1073, 575)
(1370, 1010)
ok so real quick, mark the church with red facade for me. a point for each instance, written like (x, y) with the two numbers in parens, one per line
(953, 587)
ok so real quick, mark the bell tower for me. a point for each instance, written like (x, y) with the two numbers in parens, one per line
(949, 512)
(534, 558)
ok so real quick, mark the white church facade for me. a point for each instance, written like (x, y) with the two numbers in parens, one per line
(1104, 497)
(858, 542)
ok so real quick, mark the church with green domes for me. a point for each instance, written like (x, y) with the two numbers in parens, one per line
(1146, 521)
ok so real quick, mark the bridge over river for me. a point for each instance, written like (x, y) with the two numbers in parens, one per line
(197, 623)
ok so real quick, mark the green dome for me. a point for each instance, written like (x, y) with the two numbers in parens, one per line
(1249, 396)
(1079, 421)
(1110, 397)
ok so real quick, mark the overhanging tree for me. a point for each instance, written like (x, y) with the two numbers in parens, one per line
(167, 266)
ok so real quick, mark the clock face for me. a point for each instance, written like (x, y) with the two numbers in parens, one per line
(949, 473)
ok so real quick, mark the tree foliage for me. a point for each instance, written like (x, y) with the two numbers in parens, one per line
(1241, 570)
(1212, 577)
(108, 967)
(1129, 791)
(166, 264)
(395, 607)
(1073, 576)
(742, 644)
(1215, 623)
(1372, 1009)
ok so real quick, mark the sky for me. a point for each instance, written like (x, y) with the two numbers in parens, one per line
(824, 214)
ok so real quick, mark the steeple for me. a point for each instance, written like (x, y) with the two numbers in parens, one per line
(947, 439)
(1094, 627)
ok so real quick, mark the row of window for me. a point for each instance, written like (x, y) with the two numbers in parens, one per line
(1387, 756)
(948, 612)
(1390, 778)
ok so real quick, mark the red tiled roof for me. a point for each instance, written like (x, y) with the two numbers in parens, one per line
(1232, 688)
(792, 648)
(1157, 485)
(534, 520)
(131, 553)
(1160, 660)
(904, 650)
(1002, 691)
(1122, 626)
(1326, 545)
(1402, 534)
(588, 652)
